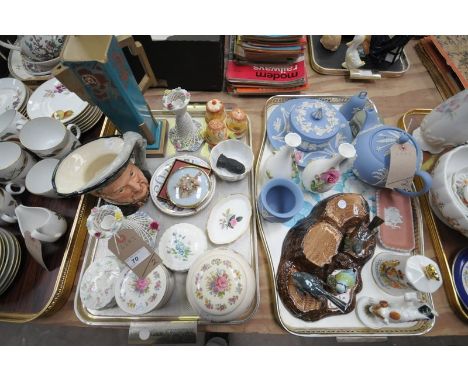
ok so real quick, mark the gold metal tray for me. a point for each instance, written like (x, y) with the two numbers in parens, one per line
(405, 63)
(36, 292)
(177, 310)
(444, 241)
(304, 328)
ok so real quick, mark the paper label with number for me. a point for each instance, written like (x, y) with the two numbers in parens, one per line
(134, 252)
(402, 166)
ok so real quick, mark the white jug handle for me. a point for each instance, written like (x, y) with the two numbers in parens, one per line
(20, 123)
(9, 189)
(9, 46)
(9, 219)
(77, 129)
(42, 237)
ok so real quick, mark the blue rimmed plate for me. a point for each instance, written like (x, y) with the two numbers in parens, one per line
(460, 275)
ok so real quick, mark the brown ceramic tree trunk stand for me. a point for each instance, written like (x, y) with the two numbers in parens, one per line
(316, 245)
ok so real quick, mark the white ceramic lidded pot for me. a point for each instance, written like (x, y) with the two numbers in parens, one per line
(221, 286)
(445, 126)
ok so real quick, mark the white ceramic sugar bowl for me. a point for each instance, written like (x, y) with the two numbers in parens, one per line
(221, 286)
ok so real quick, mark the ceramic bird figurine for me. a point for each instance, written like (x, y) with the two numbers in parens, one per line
(342, 281)
(356, 241)
(352, 59)
(311, 284)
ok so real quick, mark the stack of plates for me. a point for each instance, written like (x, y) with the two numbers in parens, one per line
(53, 99)
(13, 95)
(10, 259)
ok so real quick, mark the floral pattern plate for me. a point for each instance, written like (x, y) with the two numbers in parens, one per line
(279, 124)
(220, 285)
(181, 245)
(460, 275)
(97, 285)
(53, 96)
(159, 177)
(139, 296)
(12, 94)
(229, 219)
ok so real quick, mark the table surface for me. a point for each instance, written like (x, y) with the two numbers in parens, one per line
(393, 97)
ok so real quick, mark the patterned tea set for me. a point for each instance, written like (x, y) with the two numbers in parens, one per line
(316, 147)
(37, 129)
(199, 257)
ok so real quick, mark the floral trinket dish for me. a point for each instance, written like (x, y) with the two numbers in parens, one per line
(181, 245)
(97, 287)
(220, 285)
(229, 219)
(137, 296)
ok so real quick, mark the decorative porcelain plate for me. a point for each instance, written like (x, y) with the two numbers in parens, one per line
(460, 275)
(159, 177)
(12, 94)
(98, 283)
(279, 124)
(388, 275)
(181, 245)
(220, 285)
(139, 296)
(229, 219)
(53, 96)
(13, 260)
(460, 187)
(188, 187)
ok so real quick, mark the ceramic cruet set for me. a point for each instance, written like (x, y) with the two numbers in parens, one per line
(320, 153)
(135, 268)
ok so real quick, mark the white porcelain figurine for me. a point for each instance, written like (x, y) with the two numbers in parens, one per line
(352, 59)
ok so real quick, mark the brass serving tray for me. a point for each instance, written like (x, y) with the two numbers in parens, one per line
(178, 301)
(446, 242)
(418, 328)
(36, 292)
(314, 40)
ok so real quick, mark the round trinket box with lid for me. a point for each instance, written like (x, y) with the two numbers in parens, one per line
(220, 285)
(181, 245)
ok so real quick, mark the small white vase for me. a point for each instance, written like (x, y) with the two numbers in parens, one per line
(322, 174)
(187, 133)
(281, 164)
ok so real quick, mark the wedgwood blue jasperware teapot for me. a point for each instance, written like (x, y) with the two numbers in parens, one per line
(373, 144)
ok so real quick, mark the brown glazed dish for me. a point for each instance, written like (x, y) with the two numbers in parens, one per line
(318, 244)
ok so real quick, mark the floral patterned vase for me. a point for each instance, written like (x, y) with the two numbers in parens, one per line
(322, 174)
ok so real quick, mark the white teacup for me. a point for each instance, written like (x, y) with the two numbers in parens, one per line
(7, 207)
(11, 123)
(48, 137)
(39, 178)
(15, 163)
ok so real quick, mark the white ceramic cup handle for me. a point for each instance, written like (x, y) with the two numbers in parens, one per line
(20, 123)
(9, 219)
(77, 128)
(9, 189)
(42, 237)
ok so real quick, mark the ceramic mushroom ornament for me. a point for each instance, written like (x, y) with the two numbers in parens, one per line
(109, 167)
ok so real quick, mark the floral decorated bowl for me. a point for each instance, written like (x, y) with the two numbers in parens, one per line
(236, 150)
(445, 196)
(220, 285)
(138, 296)
(42, 47)
(181, 245)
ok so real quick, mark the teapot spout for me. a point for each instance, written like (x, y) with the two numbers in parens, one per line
(364, 120)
